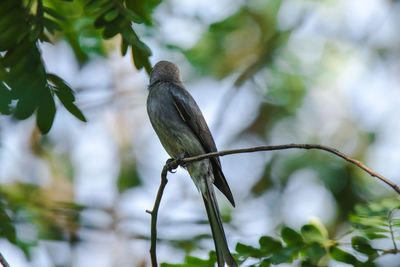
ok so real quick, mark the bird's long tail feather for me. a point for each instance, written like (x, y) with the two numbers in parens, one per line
(221, 246)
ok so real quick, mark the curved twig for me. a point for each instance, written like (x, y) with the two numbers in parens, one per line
(154, 214)
(173, 164)
(3, 261)
(299, 146)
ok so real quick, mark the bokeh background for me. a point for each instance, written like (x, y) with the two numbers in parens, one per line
(263, 72)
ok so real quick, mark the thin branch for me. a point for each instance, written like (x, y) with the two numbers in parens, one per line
(391, 229)
(173, 164)
(154, 214)
(3, 261)
(299, 146)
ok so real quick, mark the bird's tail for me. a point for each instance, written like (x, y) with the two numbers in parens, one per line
(221, 246)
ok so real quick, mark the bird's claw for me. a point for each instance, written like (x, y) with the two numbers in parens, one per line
(171, 167)
(172, 164)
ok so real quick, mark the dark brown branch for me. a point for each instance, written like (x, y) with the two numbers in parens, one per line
(3, 261)
(154, 214)
(173, 164)
(299, 146)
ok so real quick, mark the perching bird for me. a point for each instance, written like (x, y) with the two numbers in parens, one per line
(182, 129)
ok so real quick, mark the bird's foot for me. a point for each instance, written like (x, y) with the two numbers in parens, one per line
(172, 164)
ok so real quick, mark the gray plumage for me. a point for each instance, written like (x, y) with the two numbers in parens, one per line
(181, 128)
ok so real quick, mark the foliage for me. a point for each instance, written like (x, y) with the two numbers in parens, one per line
(250, 37)
(24, 206)
(25, 85)
(312, 246)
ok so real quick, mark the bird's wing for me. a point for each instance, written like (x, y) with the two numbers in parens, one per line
(191, 114)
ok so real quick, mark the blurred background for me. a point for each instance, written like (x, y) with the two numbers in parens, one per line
(263, 73)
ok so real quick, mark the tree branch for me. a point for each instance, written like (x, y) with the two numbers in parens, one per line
(3, 261)
(154, 214)
(173, 164)
(298, 146)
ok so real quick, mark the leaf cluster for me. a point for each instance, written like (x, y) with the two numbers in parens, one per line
(25, 85)
(311, 246)
(29, 206)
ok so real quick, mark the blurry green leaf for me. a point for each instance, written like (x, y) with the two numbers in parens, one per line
(265, 263)
(291, 237)
(27, 103)
(100, 20)
(66, 96)
(342, 256)
(115, 27)
(375, 236)
(131, 37)
(128, 176)
(9, 6)
(65, 92)
(141, 59)
(124, 47)
(361, 244)
(7, 228)
(16, 15)
(195, 262)
(312, 234)
(285, 255)
(264, 182)
(5, 99)
(132, 16)
(315, 252)
(17, 53)
(111, 15)
(248, 251)
(46, 111)
(54, 13)
(270, 244)
(51, 25)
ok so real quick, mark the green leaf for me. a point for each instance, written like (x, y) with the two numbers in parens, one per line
(114, 27)
(51, 25)
(124, 47)
(132, 16)
(15, 54)
(361, 244)
(5, 99)
(291, 237)
(342, 256)
(28, 102)
(312, 234)
(373, 235)
(46, 112)
(265, 263)
(7, 228)
(270, 244)
(16, 15)
(315, 252)
(111, 15)
(285, 255)
(131, 37)
(128, 176)
(12, 35)
(8, 6)
(101, 21)
(54, 13)
(66, 93)
(66, 96)
(140, 59)
(248, 251)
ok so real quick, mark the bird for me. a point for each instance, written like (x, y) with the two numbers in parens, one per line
(183, 131)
